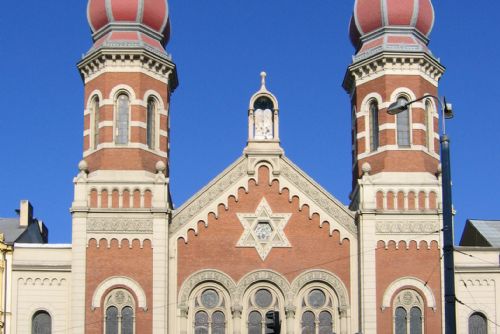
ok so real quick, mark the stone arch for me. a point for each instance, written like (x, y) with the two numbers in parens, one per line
(129, 283)
(201, 277)
(122, 88)
(325, 277)
(408, 282)
(268, 276)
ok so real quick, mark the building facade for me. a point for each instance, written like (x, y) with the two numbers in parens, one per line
(262, 236)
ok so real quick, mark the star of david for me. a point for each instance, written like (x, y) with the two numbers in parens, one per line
(264, 230)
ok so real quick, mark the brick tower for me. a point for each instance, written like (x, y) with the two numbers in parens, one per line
(122, 202)
(396, 176)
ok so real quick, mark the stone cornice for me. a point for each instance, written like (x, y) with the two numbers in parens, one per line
(388, 63)
(102, 60)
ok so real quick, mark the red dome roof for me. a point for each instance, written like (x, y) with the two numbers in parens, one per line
(371, 15)
(151, 13)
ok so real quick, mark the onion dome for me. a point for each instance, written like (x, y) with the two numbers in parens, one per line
(396, 25)
(129, 23)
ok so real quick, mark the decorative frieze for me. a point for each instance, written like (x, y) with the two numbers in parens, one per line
(120, 225)
(407, 227)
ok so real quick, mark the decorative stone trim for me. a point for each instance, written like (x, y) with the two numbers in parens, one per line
(408, 282)
(119, 281)
(325, 277)
(200, 277)
(120, 225)
(407, 227)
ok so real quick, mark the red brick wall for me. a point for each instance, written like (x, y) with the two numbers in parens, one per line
(215, 247)
(102, 263)
(422, 263)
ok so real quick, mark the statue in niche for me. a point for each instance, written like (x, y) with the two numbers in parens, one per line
(263, 124)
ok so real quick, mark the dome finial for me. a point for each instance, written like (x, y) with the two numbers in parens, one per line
(263, 76)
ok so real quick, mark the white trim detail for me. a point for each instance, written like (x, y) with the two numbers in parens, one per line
(408, 282)
(123, 281)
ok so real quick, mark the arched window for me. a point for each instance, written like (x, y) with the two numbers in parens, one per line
(122, 119)
(429, 125)
(403, 126)
(263, 119)
(478, 324)
(261, 301)
(374, 128)
(408, 316)
(119, 312)
(210, 312)
(151, 122)
(95, 122)
(354, 135)
(41, 323)
(317, 307)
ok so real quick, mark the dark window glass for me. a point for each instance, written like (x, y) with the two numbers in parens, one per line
(374, 128)
(210, 298)
(254, 323)
(42, 323)
(403, 126)
(122, 116)
(429, 131)
(415, 321)
(112, 320)
(317, 298)
(201, 323)
(95, 110)
(218, 323)
(400, 319)
(478, 324)
(150, 129)
(308, 323)
(325, 323)
(127, 320)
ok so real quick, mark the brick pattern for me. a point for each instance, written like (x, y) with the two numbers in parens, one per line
(408, 260)
(132, 262)
(215, 246)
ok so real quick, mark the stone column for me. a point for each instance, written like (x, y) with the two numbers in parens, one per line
(344, 321)
(290, 319)
(237, 311)
(184, 311)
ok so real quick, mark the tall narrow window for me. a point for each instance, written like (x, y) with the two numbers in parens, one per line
(95, 122)
(374, 128)
(478, 324)
(119, 312)
(41, 323)
(429, 126)
(408, 318)
(403, 126)
(122, 116)
(150, 123)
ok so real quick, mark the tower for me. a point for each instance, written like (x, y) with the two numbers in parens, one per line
(122, 203)
(396, 177)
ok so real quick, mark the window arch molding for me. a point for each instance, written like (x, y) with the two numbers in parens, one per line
(95, 93)
(122, 88)
(266, 277)
(403, 92)
(203, 277)
(410, 283)
(154, 94)
(129, 284)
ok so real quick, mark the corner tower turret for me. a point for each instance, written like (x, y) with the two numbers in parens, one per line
(122, 202)
(396, 177)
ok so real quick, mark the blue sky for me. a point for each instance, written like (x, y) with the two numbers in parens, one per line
(220, 47)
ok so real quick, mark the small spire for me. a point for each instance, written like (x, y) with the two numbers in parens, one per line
(263, 76)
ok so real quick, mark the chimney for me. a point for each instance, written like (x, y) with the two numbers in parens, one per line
(25, 213)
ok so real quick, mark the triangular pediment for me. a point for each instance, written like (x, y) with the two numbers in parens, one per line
(239, 174)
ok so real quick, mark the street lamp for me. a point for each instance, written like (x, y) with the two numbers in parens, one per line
(448, 247)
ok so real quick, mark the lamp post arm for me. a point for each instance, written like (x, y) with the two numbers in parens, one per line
(441, 104)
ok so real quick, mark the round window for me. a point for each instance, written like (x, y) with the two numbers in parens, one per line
(317, 298)
(210, 298)
(263, 298)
